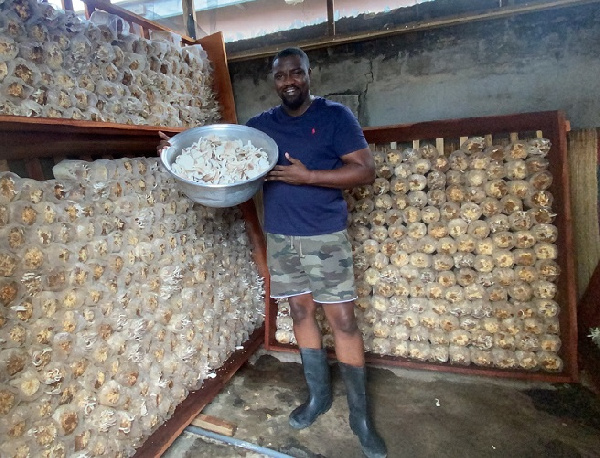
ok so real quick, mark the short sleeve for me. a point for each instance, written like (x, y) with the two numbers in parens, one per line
(349, 136)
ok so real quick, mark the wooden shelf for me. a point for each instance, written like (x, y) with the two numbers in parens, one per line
(27, 138)
(30, 139)
(28, 142)
(554, 127)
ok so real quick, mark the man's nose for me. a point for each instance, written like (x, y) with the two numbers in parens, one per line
(287, 77)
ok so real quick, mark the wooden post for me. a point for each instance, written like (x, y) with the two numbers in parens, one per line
(88, 10)
(189, 17)
(583, 160)
(330, 18)
(215, 48)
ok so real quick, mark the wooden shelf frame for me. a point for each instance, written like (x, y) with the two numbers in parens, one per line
(30, 139)
(27, 142)
(214, 45)
(554, 126)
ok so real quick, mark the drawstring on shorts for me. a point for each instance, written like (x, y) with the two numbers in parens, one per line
(299, 245)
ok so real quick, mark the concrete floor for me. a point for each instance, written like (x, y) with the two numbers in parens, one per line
(419, 414)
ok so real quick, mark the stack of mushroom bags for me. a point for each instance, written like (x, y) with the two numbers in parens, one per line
(52, 64)
(118, 296)
(455, 257)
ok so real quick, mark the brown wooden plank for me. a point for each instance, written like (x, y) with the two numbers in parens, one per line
(330, 19)
(589, 317)
(566, 283)
(214, 46)
(583, 164)
(185, 412)
(412, 27)
(256, 236)
(4, 166)
(24, 137)
(590, 363)
(463, 127)
(271, 325)
(214, 424)
(259, 254)
(395, 361)
(34, 169)
(547, 377)
(589, 305)
(8, 122)
(188, 15)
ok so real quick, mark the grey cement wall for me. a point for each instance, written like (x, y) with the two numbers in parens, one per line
(532, 62)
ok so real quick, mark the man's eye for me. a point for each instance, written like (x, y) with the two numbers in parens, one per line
(298, 73)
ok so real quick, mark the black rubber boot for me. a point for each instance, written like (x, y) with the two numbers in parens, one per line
(360, 419)
(318, 379)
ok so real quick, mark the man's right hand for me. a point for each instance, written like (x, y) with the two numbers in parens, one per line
(164, 142)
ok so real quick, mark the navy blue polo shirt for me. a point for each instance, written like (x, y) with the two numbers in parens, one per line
(318, 138)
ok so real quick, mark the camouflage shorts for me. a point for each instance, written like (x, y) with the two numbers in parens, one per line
(320, 264)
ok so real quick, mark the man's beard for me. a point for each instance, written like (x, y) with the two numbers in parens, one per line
(293, 104)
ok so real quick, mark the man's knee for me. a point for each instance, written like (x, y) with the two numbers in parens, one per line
(302, 308)
(345, 324)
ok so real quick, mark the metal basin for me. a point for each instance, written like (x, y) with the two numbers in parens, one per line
(219, 195)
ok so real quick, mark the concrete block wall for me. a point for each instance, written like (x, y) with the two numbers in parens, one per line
(532, 62)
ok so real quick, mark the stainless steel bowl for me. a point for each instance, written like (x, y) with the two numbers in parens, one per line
(219, 195)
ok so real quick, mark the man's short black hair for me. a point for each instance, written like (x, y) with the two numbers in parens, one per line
(293, 52)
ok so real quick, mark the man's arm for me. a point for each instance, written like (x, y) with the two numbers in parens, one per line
(358, 169)
(164, 142)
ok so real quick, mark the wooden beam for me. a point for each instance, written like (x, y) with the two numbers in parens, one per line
(330, 18)
(25, 138)
(34, 169)
(259, 255)
(215, 48)
(583, 166)
(189, 17)
(405, 363)
(590, 363)
(589, 305)
(416, 26)
(589, 317)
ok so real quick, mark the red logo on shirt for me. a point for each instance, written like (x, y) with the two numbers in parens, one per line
(313, 131)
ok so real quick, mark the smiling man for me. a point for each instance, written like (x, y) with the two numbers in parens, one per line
(322, 150)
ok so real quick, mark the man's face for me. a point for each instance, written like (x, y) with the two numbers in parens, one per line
(292, 81)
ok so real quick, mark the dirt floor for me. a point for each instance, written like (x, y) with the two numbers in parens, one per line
(419, 414)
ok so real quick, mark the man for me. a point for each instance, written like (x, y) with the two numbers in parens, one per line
(322, 150)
